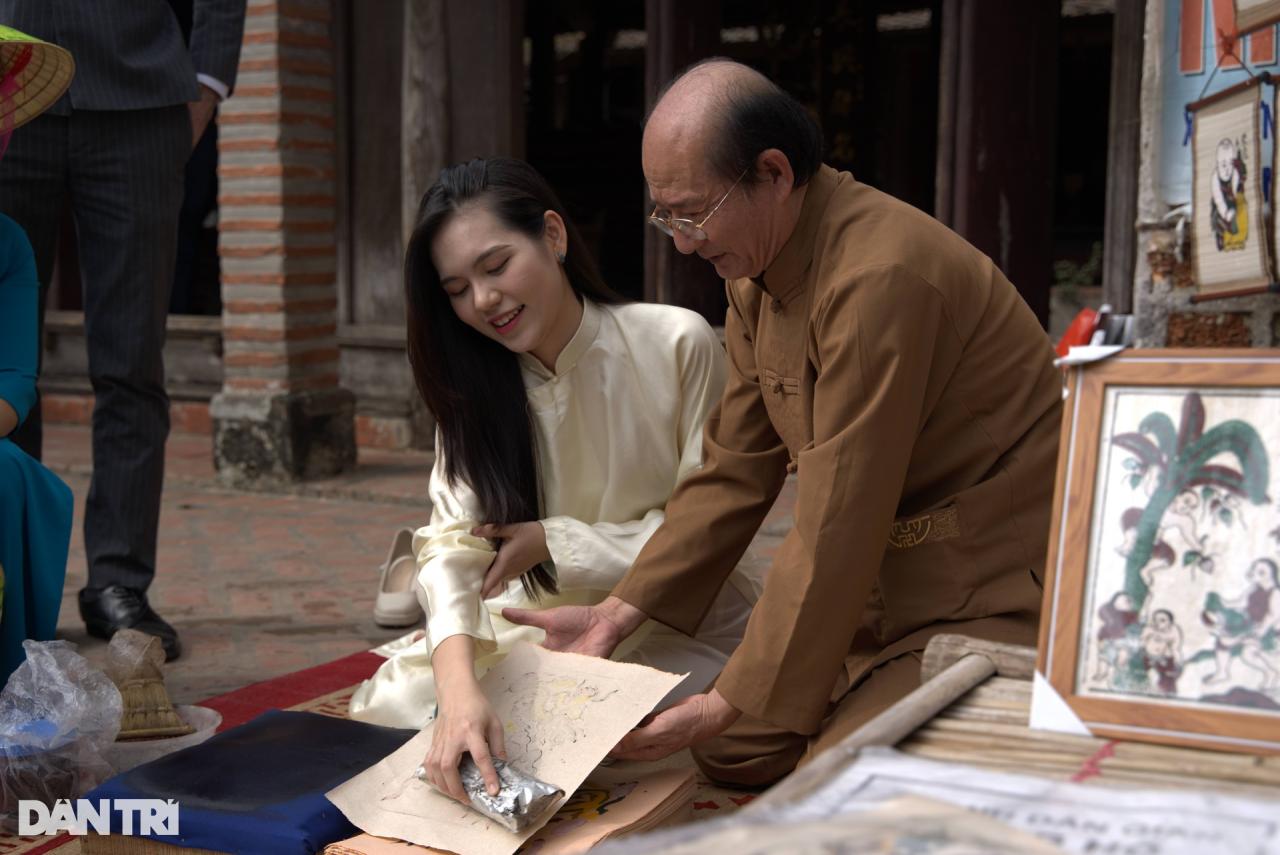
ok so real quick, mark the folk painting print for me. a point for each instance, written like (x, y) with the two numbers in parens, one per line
(1184, 588)
(1230, 241)
(1164, 591)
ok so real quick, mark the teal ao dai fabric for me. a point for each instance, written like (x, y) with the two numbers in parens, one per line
(35, 505)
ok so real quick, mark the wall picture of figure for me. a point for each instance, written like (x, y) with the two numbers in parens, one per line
(1162, 593)
(1229, 243)
(1229, 213)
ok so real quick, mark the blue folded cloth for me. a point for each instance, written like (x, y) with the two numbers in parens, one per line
(259, 787)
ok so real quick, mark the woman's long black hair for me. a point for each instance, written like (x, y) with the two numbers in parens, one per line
(469, 382)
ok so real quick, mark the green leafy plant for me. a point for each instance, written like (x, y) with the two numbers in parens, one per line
(1069, 274)
(1179, 459)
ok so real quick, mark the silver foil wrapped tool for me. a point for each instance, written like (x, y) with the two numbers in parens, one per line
(521, 801)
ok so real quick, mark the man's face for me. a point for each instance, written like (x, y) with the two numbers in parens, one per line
(682, 184)
(1259, 573)
(1226, 162)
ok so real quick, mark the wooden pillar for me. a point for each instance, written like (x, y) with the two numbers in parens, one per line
(281, 415)
(679, 34)
(486, 73)
(424, 134)
(997, 114)
(375, 67)
(1120, 236)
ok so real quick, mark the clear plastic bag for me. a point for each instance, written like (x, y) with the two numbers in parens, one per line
(58, 715)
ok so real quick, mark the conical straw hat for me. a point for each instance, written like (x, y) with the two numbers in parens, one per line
(33, 74)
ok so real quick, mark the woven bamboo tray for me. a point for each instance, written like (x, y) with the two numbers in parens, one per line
(988, 727)
(973, 707)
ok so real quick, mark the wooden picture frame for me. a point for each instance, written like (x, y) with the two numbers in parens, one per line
(1255, 14)
(1161, 617)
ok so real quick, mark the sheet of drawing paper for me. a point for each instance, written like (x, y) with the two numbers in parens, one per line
(907, 824)
(610, 802)
(367, 844)
(1077, 818)
(561, 713)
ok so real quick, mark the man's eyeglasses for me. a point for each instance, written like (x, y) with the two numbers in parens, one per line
(669, 225)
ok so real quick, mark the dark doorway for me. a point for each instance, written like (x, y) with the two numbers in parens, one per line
(584, 89)
(870, 72)
(1080, 192)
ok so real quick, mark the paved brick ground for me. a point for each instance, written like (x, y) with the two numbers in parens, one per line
(261, 584)
(257, 584)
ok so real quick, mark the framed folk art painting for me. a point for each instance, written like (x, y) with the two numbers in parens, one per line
(1161, 616)
(1230, 241)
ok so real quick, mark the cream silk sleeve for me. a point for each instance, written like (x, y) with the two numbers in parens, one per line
(595, 557)
(452, 563)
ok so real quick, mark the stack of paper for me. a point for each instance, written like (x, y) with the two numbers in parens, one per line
(561, 714)
(609, 804)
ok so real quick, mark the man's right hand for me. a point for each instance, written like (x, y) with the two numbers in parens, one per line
(590, 630)
(201, 112)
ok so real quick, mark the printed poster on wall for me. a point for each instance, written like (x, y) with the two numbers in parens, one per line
(1229, 243)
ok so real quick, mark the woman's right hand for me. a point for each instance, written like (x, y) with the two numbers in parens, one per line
(466, 724)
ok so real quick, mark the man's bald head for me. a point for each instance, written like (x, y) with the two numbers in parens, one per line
(726, 113)
(698, 101)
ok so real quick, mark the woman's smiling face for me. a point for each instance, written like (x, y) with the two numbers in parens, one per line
(506, 284)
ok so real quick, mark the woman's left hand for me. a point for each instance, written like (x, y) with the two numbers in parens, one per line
(523, 546)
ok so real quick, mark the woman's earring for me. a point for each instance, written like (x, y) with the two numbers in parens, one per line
(560, 256)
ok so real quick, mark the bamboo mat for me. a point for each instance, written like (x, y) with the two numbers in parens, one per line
(988, 727)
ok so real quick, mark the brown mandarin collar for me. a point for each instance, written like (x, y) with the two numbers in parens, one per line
(784, 276)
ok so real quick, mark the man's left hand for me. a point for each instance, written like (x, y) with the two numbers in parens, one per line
(523, 546)
(202, 112)
(687, 723)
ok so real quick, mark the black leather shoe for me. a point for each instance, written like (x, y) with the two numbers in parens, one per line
(115, 607)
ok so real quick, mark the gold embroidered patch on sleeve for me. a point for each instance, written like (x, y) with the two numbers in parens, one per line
(925, 528)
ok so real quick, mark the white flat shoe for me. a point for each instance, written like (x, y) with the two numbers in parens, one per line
(397, 605)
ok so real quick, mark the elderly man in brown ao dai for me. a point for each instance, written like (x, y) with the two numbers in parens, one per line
(897, 372)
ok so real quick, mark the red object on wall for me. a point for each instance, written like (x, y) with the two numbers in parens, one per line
(1224, 34)
(1191, 31)
(1079, 332)
(1262, 47)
